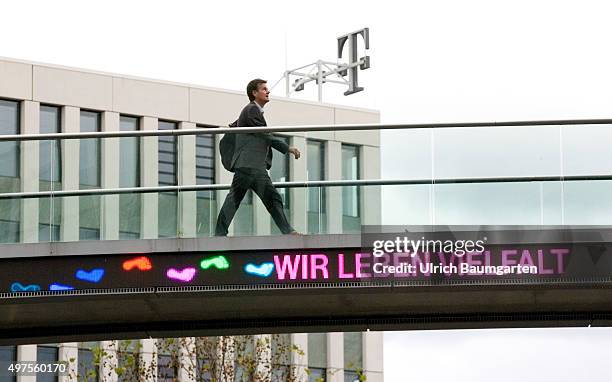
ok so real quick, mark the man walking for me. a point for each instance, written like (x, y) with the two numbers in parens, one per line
(251, 159)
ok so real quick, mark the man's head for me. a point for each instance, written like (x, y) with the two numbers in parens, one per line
(257, 90)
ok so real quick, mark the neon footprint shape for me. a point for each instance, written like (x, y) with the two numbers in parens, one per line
(219, 262)
(55, 286)
(18, 287)
(93, 276)
(261, 270)
(184, 275)
(142, 263)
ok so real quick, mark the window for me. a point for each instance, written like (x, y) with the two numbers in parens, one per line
(87, 368)
(207, 354)
(351, 221)
(89, 148)
(353, 358)
(315, 170)
(168, 361)
(129, 176)
(9, 151)
(281, 357)
(280, 173)
(205, 174)
(9, 172)
(8, 354)
(46, 354)
(317, 356)
(167, 176)
(128, 359)
(50, 174)
(89, 177)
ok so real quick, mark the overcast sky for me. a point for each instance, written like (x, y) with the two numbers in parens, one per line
(431, 61)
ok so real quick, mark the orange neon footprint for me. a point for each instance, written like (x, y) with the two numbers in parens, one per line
(142, 263)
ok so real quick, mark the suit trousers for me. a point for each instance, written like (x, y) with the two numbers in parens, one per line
(259, 181)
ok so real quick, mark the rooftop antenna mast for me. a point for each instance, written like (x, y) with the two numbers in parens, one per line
(336, 72)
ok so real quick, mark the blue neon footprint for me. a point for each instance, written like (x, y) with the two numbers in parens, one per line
(60, 287)
(261, 270)
(18, 287)
(93, 276)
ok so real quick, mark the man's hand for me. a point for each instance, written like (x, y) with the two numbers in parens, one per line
(295, 152)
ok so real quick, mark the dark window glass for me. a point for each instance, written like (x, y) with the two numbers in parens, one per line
(49, 156)
(315, 170)
(89, 158)
(207, 351)
(46, 354)
(89, 177)
(167, 176)
(8, 354)
(317, 374)
(9, 172)
(9, 151)
(87, 369)
(280, 173)
(129, 176)
(129, 169)
(165, 369)
(351, 376)
(351, 221)
(167, 151)
(168, 359)
(205, 174)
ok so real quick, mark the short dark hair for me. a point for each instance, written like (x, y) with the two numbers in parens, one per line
(254, 86)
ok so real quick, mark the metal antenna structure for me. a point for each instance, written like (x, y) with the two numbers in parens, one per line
(325, 71)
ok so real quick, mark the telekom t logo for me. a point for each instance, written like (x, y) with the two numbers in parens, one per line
(363, 63)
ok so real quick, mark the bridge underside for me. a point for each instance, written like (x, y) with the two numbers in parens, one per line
(276, 307)
(85, 318)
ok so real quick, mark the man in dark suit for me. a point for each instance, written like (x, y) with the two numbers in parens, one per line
(251, 160)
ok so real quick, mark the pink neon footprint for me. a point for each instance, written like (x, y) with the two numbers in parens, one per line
(184, 275)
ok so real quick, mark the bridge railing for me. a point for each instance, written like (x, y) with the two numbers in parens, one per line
(553, 173)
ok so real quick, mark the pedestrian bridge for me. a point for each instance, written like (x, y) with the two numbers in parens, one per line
(80, 291)
(67, 290)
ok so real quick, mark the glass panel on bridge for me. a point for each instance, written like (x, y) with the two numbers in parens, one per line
(315, 170)
(351, 209)
(280, 173)
(206, 201)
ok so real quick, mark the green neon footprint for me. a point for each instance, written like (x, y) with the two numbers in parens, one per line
(219, 262)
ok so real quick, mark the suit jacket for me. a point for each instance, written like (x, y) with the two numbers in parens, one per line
(254, 150)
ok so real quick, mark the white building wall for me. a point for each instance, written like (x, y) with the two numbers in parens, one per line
(113, 95)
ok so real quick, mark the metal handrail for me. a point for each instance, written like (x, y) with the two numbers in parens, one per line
(292, 129)
(298, 184)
